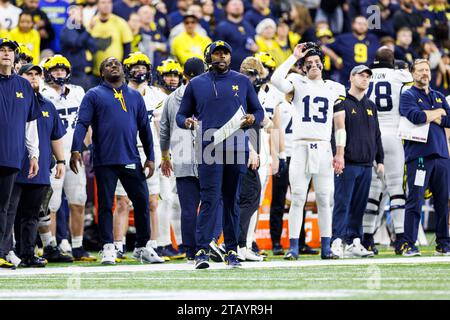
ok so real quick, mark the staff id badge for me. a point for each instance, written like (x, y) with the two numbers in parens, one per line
(420, 178)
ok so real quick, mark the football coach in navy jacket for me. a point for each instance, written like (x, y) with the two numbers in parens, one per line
(213, 99)
(426, 163)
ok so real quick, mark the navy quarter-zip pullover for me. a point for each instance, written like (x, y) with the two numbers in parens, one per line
(115, 125)
(413, 102)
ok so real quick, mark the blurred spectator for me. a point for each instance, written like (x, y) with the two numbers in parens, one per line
(387, 10)
(403, 50)
(209, 15)
(301, 19)
(443, 74)
(161, 19)
(429, 51)
(41, 22)
(78, 46)
(57, 13)
(9, 15)
(285, 39)
(176, 17)
(409, 17)
(196, 10)
(258, 11)
(324, 37)
(134, 22)
(357, 47)
(89, 11)
(389, 42)
(189, 43)
(154, 44)
(331, 11)
(237, 32)
(111, 33)
(439, 11)
(124, 8)
(266, 40)
(26, 34)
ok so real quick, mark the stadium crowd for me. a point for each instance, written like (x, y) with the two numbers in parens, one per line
(159, 47)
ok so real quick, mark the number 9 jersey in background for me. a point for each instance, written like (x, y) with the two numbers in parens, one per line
(314, 107)
(385, 88)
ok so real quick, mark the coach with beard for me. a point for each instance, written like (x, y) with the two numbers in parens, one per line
(214, 98)
(116, 113)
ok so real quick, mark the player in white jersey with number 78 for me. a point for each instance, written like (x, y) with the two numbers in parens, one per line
(312, 157)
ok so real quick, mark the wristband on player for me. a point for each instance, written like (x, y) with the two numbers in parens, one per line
(165, 158)
(341, 137)
(282, 155)
(61, 162)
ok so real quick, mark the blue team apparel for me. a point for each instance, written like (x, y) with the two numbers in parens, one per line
(116, 116)
(50, 127)
(18, 105)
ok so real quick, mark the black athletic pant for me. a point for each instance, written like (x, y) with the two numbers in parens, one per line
(24, 206)
(7, 178)
(249, 202)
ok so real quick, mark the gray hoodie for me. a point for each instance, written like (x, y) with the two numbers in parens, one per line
(179, 141)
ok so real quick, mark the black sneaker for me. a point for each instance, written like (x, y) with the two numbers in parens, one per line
(442, 249)
(410, 250)
(172, 253)
(304, 250)
(277, 250)
(256, 249)
(369, 244)
(79, 254)
(6, 264)
(201, 260)
(33, 262)
(214, 252)
(231, 260)
(52, 254)
(399, 246)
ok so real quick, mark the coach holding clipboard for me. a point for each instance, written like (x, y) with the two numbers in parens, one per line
(215, 98)
(426, 162)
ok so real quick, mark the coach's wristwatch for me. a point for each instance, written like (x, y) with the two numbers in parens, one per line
(61, 161)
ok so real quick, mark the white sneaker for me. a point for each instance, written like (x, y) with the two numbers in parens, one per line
(356, 250)
(109, 254)
(241, 253)
(65, 247)
(336, 248)
(147, 255)
(251, 255)
(12, 258)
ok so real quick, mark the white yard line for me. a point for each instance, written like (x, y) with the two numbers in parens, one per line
(6, 273)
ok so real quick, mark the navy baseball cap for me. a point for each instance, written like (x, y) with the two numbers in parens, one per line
(28, 67)
(220, 44)
(10, 43)
(194, 67)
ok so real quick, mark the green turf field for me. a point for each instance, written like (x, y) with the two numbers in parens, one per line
(311, 278)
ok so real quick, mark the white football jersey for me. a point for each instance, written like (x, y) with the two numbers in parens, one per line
(67, 107)
(154, 99)
(269, 97)
(286, 111)
(313, 107)
(386, 86)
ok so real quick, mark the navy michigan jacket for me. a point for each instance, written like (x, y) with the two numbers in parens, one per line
(214, 98)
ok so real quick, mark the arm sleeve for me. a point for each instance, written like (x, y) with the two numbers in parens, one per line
(410, 109)
(253, 105)
(187, 107)
(279, 76)
(379, 157)
(85, 116)
(164, 126)
(32, 139)
(145, 132)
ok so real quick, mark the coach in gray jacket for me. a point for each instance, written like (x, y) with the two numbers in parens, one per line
(180, 143)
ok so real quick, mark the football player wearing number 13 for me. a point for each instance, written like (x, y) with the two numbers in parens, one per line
(312, 156)
(385, 88)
